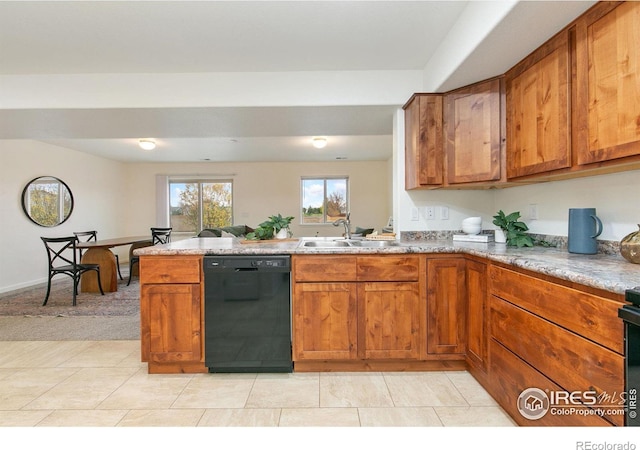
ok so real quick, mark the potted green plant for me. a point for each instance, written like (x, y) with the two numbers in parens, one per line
(513, 229)
(275, 227)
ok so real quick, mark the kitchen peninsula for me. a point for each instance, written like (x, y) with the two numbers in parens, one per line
(547, 317)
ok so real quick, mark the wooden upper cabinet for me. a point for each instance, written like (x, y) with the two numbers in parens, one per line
(423, 141)
(474, 133)
(538, 104)
(608, 82)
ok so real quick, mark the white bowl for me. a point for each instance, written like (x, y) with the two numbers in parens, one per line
(472, 221)
(471, 228)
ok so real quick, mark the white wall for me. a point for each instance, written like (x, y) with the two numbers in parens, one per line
(99, 194)
(263, 189)
(615, 197)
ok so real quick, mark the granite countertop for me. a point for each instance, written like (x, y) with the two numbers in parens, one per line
(608, 272)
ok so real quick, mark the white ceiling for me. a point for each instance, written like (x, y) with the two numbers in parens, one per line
(84, 37)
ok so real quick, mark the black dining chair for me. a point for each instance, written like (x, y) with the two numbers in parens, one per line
(159, 235)
(62, 254)
(87, 236)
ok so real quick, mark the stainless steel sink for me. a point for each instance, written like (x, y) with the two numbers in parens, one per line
(375, 244)
(325, 244)
(349, 243)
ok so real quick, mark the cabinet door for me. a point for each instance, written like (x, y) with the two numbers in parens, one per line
(538, 132)
(474, 133)
(173, 325)
(608, 83)
(390, 320)
(446, 306)
(324, 321)
(477, 317)
(423, 141)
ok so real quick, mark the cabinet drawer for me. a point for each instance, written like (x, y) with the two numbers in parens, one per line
(388, 268)
(588, 315)
(510, 376)
(324, 268)
(574, 363)
(173, 269)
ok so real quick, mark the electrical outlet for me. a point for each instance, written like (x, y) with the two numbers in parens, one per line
(414, 213)
(430, 212)
(444, 212)
(533, 211)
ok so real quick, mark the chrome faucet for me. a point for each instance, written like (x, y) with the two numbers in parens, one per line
(347, 225)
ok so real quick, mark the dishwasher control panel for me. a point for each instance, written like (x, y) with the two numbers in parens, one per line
(271, 262)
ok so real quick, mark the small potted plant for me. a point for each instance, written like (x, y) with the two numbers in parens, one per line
(277, 227)
(513, 229)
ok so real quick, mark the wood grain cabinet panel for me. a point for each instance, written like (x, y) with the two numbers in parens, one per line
(325, 321)
(570, 361)
(324, 268)
(423, 141)
(446, 306)
(390, 321)
(170, 339)
(388, 268)
(162, 269)
(608, 82)
(171, 316)
(377, 313)
(538, 105)
(588, 315)
(474, 133)
(510, 376)
(477, 314)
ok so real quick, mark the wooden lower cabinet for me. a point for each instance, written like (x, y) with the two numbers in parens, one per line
(446, 306)
(378, 316)
(554, 338)
(171, 316)
(477, 318)
(390, 320)
(510, 376)
(325, 321)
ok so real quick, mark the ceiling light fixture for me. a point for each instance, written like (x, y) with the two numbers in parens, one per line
(319, 142)
(147, 144)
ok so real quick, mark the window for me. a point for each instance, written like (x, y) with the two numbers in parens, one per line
(324, 200)
(194, 205)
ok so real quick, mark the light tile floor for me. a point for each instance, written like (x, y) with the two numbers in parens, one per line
(104, 384)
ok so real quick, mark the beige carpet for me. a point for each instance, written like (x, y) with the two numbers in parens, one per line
(113, 316)
(80, 328)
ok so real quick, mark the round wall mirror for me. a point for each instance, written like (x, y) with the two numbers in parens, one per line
(47, 201)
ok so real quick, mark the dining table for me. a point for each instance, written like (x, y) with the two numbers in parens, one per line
(99, 252)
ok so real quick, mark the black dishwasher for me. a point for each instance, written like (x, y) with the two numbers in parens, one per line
(247, 313)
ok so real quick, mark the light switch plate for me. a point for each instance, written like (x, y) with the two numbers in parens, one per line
(533, 211)
(414, 213)
(444, 212)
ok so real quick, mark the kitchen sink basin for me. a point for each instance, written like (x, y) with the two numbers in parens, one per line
(374, 244)
(325, 244)
(349, 243)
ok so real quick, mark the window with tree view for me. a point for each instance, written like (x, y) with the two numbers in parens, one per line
(195, 205)
(324, 200)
